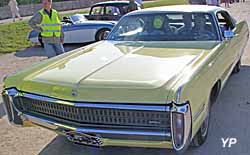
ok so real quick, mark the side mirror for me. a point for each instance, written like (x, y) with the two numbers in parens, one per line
(228, 34)
(105, 35)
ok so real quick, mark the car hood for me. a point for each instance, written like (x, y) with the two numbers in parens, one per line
(114, 67)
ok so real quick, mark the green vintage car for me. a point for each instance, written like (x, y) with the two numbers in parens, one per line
(151, 83)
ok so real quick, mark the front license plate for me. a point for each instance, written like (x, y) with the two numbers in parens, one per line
(83, 138)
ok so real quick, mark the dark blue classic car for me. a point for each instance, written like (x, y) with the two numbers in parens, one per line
(83, 28)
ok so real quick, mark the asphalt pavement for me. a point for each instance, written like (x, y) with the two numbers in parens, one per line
(230, 120)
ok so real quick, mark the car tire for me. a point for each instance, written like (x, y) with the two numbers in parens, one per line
(202, 133)
(237, 67)
(100, 34)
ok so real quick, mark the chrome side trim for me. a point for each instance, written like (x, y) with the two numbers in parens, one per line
(196, 116)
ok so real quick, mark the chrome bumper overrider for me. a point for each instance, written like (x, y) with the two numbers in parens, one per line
(177, 138)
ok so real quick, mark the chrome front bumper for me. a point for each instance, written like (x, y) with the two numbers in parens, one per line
(61, 128)
(144, 138)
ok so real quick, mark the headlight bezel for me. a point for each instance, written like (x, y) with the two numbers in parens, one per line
(12, 112)
(183, 111)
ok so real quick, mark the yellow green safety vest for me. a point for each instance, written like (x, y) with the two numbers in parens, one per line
(50, 26)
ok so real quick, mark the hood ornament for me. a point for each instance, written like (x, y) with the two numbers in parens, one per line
(74, 92)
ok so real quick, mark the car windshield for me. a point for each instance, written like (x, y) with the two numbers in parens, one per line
(165, 27)
(78, 18)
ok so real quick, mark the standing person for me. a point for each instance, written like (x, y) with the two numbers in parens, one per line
(132, 6)
(200, 2)
(14, 10)
(227, 3)
(212, 2)
(47, 22)
(218, 2)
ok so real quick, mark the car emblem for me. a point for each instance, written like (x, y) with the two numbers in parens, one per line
(74, 92)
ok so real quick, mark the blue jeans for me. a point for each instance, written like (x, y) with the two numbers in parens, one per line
(52, 49)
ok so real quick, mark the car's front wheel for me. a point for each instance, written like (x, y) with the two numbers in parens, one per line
(237, 67)
(100, 35)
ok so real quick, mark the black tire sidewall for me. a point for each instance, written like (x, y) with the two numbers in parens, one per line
(237, 67)
(100, 32)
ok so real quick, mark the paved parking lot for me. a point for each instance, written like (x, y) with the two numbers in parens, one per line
(230, 116)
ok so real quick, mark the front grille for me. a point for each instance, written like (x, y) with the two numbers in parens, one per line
(90, 115)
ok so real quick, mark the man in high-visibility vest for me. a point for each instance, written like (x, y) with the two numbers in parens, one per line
(47, 22)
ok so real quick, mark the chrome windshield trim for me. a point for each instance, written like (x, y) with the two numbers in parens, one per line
(55, 125)
(125, 106)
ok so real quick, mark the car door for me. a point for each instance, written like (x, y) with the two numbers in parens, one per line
(67, 23)
(228, 51)
(67, 35)
(82, 33)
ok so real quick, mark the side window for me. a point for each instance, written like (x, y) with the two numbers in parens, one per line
(112, 11)
(125, 9)
(98, 10)
(225, 21)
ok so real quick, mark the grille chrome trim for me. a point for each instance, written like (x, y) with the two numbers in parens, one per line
(134, 106)
(101, 104)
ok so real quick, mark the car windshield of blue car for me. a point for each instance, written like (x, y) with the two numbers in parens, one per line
(78, 18)
(165, 27)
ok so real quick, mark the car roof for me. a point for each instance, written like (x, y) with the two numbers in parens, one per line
(112, 3)
(180, 8)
